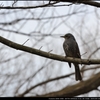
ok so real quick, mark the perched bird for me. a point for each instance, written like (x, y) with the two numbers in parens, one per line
(72, 50)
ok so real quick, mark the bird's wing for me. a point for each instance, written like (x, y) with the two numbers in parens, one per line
(77, 51)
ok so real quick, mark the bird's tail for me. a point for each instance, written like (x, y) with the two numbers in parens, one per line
(77, 72)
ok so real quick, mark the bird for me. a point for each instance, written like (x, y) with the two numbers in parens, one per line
(71, 49)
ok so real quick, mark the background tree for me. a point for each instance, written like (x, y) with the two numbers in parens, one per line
(39, 25)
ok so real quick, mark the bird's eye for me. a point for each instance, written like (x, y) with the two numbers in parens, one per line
(68, 36)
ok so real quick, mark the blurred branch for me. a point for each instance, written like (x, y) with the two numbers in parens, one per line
(38, 33)
(86, 2)
(47, 54)
(4, 61)
(29, 7)
(15, 1)
(30, 78)
(77, 89)
(57, 78)
(94, 52)
(38, 19)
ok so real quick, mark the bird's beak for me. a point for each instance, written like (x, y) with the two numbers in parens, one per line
(62, 36)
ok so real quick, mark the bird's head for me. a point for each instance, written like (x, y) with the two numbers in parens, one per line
(68, 36)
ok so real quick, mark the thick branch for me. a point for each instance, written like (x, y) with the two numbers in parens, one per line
(29, 7)
(50, 80)
(47, 54)
(77, 89)
(86, 2)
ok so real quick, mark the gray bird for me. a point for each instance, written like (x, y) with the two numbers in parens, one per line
(72, 50)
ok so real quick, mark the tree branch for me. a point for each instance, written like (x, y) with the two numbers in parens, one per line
(29, 7)
(86, 2)
(47, 54)
(77, 89)
(50, 80)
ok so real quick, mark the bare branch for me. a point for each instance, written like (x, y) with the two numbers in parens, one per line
(57, 78)
(89, 2)
(46, 54)
(80, 88)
